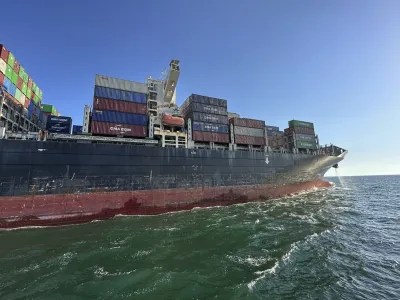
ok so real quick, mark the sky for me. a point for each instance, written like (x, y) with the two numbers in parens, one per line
(334, 63)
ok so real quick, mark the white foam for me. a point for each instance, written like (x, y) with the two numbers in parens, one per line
(284, 259)
(249, 260)
(100, 272)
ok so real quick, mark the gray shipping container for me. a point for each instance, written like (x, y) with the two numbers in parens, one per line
(247, 131)
(203, 108)
(121, 84)
(194, 98)
(210, 118)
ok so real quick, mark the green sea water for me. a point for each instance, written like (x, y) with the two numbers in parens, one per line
(342, 243)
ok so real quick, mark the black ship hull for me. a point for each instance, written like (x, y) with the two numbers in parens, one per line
(60, 182)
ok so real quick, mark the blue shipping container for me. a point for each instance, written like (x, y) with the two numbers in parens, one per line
(133, 97)
(119, 117)
(103, 92)
(209, 118)
(7, 84)
(31, 106)
(59, 124)
(42, 117)
(210, 127)
(12, 90)
(33, 109)
(76, 129)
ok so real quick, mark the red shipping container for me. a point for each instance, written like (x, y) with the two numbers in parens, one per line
(121, 106)
(247, 122)
(30, 82)
(249, 140)
(19, 83)
(3, 53)
(16, 66)
(27, 102)
(172, 121)
(201, 136)
(118, 129)
(1, 78)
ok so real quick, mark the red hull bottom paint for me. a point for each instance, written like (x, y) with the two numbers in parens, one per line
(66, 209)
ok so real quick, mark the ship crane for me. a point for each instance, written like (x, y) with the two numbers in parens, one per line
(168, 123)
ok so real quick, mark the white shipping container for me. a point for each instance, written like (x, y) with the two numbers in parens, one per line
(22, 99)
(249, 131)
(121, 84)
(3, 66)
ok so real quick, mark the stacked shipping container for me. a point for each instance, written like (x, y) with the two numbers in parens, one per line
(301, 135)
(248, 131)
(47, 110)
(119, 107)
(272, 130)
(17, 83)
(209, 117)
(277, 141)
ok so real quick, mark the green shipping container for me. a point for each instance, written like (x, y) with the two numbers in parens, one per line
(24, 88)
(36, 91)
(306, 145)
(29, 93)
(9, 72)
(21, 72)
(36, 99)
(297, 123)
(14, 78)
(40, 94)
(47, 108)
(33, 86)
(25, 78)
(11, 60)
(17, 94)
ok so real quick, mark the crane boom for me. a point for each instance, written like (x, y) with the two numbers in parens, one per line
(171, 82)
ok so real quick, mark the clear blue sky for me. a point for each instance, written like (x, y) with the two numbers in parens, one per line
(335, 63)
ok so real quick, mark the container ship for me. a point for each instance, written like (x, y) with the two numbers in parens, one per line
(137, 152)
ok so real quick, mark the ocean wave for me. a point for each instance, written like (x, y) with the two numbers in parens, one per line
(284, 259)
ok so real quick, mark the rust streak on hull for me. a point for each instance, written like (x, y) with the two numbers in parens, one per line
(66, 209)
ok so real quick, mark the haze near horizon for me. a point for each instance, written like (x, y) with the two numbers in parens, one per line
(335, 64)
